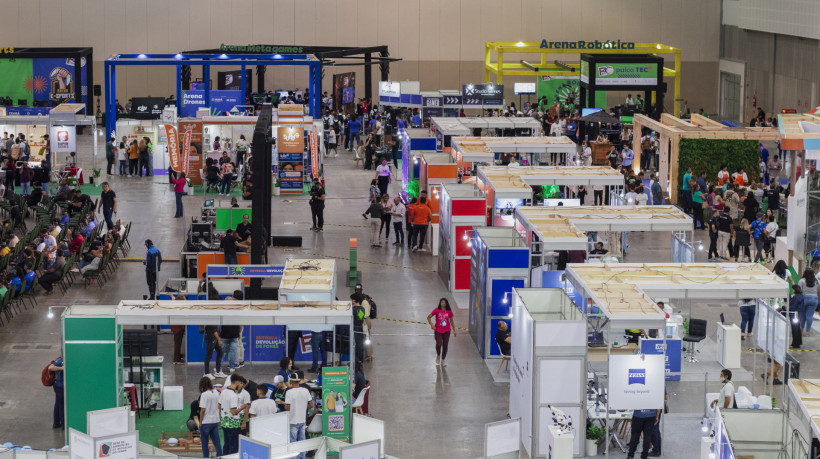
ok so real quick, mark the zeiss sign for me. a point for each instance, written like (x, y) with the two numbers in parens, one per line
(637, 376)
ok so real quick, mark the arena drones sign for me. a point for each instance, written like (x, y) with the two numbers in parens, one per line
(581, 44)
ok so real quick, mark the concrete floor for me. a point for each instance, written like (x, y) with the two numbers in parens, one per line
(429, 411)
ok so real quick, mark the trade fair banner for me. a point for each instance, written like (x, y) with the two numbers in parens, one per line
(314, 154)
(186, 150)
(54, 80)
(173, 147)
(567, 90)
(220, 103)
(63, 139)
(626, 74)
(291, 148)
(147, 108)
(344, 91)
(253, 449)
(636, 382)
(336, 403)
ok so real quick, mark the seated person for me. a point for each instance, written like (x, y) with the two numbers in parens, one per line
(193, 418)
(15, 215)
(211, 175)
(4, 250)
(360, 381)
(90, 227)
(634, 335)
(56, 229)
(36, 195)
(599, 249)
(52, 272)
(75, 241)
(247, 190)
(503, 337)
(79, 201)
(91, 259)
(63, 192)
(234, 203)
(13, 241)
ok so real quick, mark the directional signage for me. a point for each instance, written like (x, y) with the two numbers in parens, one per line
(245, 270)
(483, 94)
(453, 100)
(431, 102)
(472, 100)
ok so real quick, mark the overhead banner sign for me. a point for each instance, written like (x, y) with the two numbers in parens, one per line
(626, 74)
(389, 89)
(483, 94)
(147, 108)
(432, 106)
(173, 147)
(245, 270)
(289, 140)
(582, 44)
(220, 102)
(636, 382)
(63, 139)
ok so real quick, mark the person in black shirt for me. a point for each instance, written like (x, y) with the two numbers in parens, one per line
(108, 204)
(243, 230)
(193, 419)
(213, 342)
(612, 156)
(228, 246)
(503, 337)
(360, 381)
(394, 142)
(724, 245)
(211, 175)
(317, 205)
(36, 195)
(713, 236)
(358, 324)
(599, 249)
(80, 200)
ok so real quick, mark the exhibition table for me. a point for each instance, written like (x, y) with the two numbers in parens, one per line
(805, 394)
(306, 281)
(532, 150)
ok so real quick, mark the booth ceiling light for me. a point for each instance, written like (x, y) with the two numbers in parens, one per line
(178, 56)
(277, 56)
(520, 44)
(223, 56)
(141, 56)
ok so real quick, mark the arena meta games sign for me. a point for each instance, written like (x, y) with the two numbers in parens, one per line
(261, 49)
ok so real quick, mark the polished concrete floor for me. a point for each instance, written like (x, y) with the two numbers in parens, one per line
(429, 411)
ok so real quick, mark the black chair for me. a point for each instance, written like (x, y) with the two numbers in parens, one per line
(697, 333)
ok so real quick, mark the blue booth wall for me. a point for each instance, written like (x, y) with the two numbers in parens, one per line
(673, 354)
(263, 343)
(552, 279)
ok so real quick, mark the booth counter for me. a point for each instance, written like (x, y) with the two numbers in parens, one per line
(758, 434)
(548, 354)
(462, 209)
(499, 262)
(804, 396)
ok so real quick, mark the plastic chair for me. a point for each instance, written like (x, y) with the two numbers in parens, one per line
(357, 405)
(358, 157)
(504, 358)
(315, 427)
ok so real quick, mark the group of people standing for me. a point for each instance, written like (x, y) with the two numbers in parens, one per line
(415, 216)
(133, 158)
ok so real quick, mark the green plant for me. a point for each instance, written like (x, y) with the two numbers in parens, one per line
(413, 188)
(686, 326)
(97, 172)
(707, 155)
(596, 434)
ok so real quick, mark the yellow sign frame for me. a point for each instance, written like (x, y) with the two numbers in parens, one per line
(501, 68)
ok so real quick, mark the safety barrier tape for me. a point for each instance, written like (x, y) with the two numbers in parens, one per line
(790, 350)
(414, 322)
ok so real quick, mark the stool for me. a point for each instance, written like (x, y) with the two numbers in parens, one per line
(504, 358)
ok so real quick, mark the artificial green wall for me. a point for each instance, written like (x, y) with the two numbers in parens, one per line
(229, 217)
(93, 367)
(706, 155)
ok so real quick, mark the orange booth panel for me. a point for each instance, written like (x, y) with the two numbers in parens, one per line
(217, 258)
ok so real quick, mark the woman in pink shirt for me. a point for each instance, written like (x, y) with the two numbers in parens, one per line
(179, 190)
(443, 326)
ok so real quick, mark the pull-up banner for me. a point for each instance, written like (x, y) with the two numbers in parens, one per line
(173, 147)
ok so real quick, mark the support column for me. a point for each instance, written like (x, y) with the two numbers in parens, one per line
(206, 79)
(673, 168)
(499, 77)
(676, 107)
(663, 164)
(636, 148)
(179, 91)
(244, 82)
(260, 78)
(368, 78)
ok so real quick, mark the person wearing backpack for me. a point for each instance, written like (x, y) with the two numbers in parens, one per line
(369, 314)
(57, 368)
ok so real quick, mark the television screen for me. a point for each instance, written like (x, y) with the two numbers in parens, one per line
(524, 88)
(589, 111)
(344, 90)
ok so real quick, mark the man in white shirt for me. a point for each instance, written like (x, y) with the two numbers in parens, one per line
(771, 234)
(641, 199)
(230, 411)
(629, 100)
(209, 416)
(297, 402)
(727, 392)
(555, 128)
(397, 216)
(263, 405)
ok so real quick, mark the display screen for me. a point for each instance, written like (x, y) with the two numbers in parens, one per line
(344, 90)
(524, 88)
(589, 111)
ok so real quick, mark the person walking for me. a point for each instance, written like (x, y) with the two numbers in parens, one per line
(57, 368)
(230, 410)
(142, 158)
(385, 224)
(808, 285)
(331, 141)
(713, 236)
(209, 417)
(375, 211)
(442, 328)
(108, 204)
(317, 205)
(398, 216)
(383, 176)
(230, 345)
(213, 342)
(758, 228)
(26, 174)
(153, 263)
(297, 401)
(422, 216)
(355, 127)
(179, 180)
(110, 153)
(227, 178)
(149, 164)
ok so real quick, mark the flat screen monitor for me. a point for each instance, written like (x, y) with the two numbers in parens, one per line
(139, 342)
(524, 88)
(209, 203)
(589, 111)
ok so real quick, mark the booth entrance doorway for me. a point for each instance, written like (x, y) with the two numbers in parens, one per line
(730, 96)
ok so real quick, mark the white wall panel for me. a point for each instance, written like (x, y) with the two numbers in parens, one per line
(788, 17)
(71, 15)
(30, 26)
(51, 31)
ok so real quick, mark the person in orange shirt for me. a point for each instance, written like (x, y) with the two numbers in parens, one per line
(723, 175)
(421, 219)
(428, 201)
(133, 157)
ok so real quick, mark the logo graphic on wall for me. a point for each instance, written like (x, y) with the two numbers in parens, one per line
(105, 449)
(637, 376)
(605, 70)
(62, 136)
(567, 93)
(291, 136)
(62, 84)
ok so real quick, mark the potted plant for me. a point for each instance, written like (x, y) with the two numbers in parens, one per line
(95, 175)
(276, 188)
(595, 436)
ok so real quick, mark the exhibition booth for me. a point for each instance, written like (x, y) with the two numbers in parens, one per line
(509, 187)
(462, 209)
(444, 129)
(500, 262)
(530, 151)
(435, 170)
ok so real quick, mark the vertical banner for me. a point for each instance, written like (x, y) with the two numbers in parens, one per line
(186, 152)
(63, 139)
(336, 403)
(291, 143)
(314, 154)
(173, 147)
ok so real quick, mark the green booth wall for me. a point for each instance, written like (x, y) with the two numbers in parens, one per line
(707, 155)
